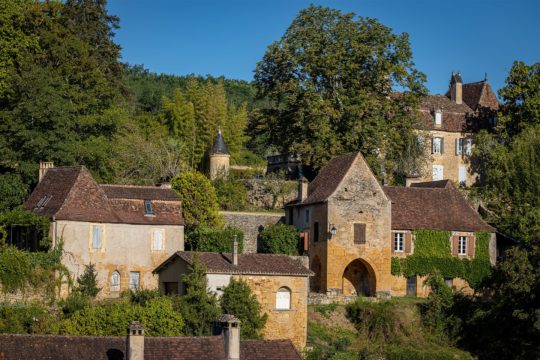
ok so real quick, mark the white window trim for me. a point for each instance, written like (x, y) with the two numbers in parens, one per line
(437, 149)
(399, 237)
(462, 245)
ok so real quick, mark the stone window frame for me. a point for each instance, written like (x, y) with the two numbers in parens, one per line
(152, 239)
(408, 243)
(91, 248)
(396, 242)
(287, 289)
(113, 286)
(131, 282)
(470, 250)
(440, 140)
(463, 243)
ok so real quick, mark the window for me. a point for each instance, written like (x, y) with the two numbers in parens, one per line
(307, 215)
(316, 232)
(359, 233)
(158, 240)
(438, 145)
(459, 146)
(97, 237)
(399, 240)
(462, 174)
(462, 245)
(115, 281)
(438, 172)
(438, 118)
(148, 209)
(283, 299)
(43, 201)
(468, 147)
(448, 282)
(134, 278)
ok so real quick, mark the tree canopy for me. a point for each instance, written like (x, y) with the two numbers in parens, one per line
(330, 83)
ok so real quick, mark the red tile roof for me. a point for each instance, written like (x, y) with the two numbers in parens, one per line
(50, 347)
(255, 264)
(71, 193)
(415, 208)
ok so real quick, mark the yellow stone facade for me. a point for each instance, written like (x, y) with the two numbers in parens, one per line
(282, 324)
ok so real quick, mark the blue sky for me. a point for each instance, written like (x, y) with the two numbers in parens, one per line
(229, 37)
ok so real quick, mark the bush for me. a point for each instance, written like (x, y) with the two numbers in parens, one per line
(231, 194)
(74, 302)
(239, 300)
(204, 238)
(436, 313)
(27, 319)
(375, 319)
(280, 239)
(87, 282)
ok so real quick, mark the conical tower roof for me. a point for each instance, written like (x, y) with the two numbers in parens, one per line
(219, 146)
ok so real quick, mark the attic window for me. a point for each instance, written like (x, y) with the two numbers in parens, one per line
(43, 201)
(438, 118)
(148, 209)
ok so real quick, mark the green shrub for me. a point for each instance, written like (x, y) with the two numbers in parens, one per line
(280, 239)
(143, 296)
(74, 302)
(326, 309)
(231, 194)
(27, 319)
(87, 282)
(204, 238)
(239, 300)
(377, 320)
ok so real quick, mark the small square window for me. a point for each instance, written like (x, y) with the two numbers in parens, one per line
(462, 245)
(148, 209)
(399, 240)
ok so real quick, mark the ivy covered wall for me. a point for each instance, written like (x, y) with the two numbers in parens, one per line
(432, 251)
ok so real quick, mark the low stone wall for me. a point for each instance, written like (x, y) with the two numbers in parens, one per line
(251, 223)
(324, 299)
(261, 197)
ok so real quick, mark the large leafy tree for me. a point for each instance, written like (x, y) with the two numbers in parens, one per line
(330, 82)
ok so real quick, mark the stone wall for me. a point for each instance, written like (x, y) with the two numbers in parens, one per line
(251, 223)
(282, 324)
(260, 197)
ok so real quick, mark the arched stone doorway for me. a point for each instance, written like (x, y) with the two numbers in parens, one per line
(315, 280)
(359, 279)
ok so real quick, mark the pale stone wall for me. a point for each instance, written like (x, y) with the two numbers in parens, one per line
(126, 248)
(251, 224)
(399, 286)
(449, 159)
(219, 164)
(282, 324)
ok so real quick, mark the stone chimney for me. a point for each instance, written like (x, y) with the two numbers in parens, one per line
(229, 327)
(235, 251)
(43, 167)
(456, 88)
(302, 189)
(412, 179)
(135, 341)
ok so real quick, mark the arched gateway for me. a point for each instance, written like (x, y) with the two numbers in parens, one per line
(358, 279)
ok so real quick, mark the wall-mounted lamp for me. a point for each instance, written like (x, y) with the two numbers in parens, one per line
(333, 230)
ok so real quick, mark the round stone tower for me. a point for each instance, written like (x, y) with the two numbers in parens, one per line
(219, 158)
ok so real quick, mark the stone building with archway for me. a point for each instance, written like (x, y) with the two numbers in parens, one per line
(352, 227)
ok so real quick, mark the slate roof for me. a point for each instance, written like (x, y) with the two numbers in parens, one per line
(71, 193)
(51, 347)
(219, 146)
(329, 178)
(254, 264)
(434, 208)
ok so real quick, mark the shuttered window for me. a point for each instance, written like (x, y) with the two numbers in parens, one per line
(97, 235)
(283, 299)
(359, 233)
(158, 243)
(399, 242)
(462, 245)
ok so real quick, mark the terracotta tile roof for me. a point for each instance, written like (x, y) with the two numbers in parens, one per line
(434, 184)
(415, 208)
(71, 193)
(256, 264)
(50, 347)
(329, 178)
(138, 192)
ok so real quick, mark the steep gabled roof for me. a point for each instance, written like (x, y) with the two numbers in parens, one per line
(329, 178)
(71, 193)
(433, 208)
(255, 264)
(49, 347)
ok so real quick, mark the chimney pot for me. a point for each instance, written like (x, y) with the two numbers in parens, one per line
(302, 189)
(229, 326)
(43, 167)
(235, 251)
(135, 341)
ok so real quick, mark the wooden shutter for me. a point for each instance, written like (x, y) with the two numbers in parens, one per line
(392, 242)
(408, 243)
(359, 233)
(305, 236)
(442, 145)
(432, 145)
(471, 245)
(455, 245)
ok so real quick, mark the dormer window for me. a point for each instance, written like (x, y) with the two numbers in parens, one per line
(148, 209)
(438, 118)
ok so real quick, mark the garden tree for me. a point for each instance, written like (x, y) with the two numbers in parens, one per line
(521, 99)
(199, 200)
(239, 300)
(330, 82)
(233, 132)
(12, 191)
(280, 239)
(198, 306)
(87, 282)
(231, 193)
(204, 238)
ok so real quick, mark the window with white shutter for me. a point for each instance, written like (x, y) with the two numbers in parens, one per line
(97, 237)
(459, 146)
(158, 243)
(438, 172)
(283, 299)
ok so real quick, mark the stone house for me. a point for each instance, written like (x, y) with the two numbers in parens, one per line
(450, 122)
(352, 226)
(126, 231)
(279, 282)
(225, 344)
